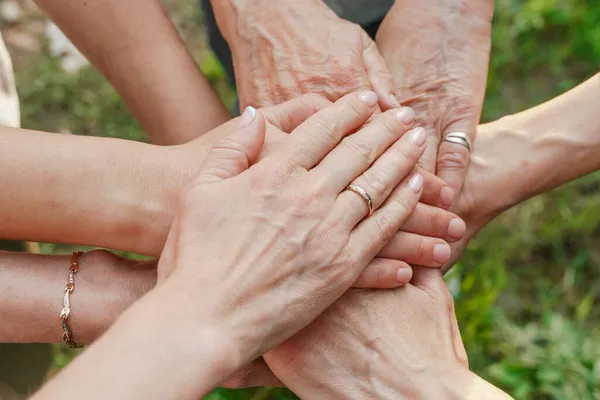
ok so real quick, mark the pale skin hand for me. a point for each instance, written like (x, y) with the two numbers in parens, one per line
(287, 48)
(145, 59)
(438, 52)
(308, 169)
(263, 270)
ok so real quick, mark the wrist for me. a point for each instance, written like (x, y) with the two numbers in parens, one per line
(238, 20)
(197, 332)
(106, 286)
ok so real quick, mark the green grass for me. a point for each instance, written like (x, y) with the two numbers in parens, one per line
(529, 283)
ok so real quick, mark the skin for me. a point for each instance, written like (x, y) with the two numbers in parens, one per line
(439, 51)
(288, 48)
(406, 347)
(515, 159)
(110, 202)
(262, 271)
(136, 55)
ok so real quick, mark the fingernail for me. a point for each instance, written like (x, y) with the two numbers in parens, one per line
(446, 196)
(406, 115)
(456, 228)
(417, 136)
(247, 117)
(369, 98)
(441, 253)
(416, 183)
(393, 100)
(403, 275)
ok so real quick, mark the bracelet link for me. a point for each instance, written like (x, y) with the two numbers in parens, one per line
(67, 336)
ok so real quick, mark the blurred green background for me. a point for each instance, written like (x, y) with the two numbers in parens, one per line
(527, 290)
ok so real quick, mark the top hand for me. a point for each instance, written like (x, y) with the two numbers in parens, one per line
(288, 239)
(439, 52)
(286, 48)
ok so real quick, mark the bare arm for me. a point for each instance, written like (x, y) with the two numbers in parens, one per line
(85, 190)
(154, 351)
(105, 285)
(134, 44)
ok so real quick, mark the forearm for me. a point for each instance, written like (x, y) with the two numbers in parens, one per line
(236, 17)
(32, 287)
(545, 146)
(134, 44)
(152, 352)
(90, 191)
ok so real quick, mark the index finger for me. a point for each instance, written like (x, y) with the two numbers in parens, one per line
(289, 115)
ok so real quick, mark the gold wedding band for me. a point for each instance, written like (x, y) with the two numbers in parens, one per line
(364, 195)
(459, 138)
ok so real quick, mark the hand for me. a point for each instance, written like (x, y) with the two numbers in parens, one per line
(285, 49)
(273, 245)
(423, 243)
(402, 343)
(439, 53)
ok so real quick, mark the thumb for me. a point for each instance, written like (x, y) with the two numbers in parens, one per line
(379, 76)
(234, 154)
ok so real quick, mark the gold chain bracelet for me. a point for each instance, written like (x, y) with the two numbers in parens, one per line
(67, 335)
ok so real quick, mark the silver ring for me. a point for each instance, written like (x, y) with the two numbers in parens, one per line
(364, 195)
(459, 138)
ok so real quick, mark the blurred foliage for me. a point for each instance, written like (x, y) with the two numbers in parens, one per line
(527, 290)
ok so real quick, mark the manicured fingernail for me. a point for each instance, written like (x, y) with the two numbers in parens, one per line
(417, 136)
(369, 98)
(416, 183)
(441, 253)
(446, 196)
(247, 117)
(404, 275)
(457, 228)
(406, 115)
(393, 100)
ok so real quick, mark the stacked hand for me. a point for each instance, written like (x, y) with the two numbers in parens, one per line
(284, 50)
(293, 239)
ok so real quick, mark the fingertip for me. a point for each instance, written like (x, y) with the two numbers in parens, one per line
(404, 275)
(247, 117)
(369, 98)
(441, 253)
(416, 183)
(446, 196)
(457, 228)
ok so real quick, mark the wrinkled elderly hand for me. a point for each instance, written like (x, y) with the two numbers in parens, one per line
(439, 52)
(401, 343)
(286, 48)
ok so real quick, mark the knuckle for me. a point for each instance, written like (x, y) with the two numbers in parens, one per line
(376, 183)
(438, 221)
(420, 250)
(404, 209)
(360, 150)
(390, 124)
(457, 159)
(386, 226)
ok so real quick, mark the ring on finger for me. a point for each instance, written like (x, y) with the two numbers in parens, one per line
(460, 138)
(364, 195)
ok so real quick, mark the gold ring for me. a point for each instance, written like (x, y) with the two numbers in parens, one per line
(364, 195)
